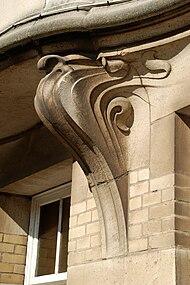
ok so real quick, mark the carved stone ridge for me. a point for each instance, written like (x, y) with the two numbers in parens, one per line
(86, 104)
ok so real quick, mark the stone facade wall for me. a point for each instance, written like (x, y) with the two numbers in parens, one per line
(158, 235)
(182, 192)
(151, 236)
(14, 217)
(84, 235)
(151, 218)
(12, 258)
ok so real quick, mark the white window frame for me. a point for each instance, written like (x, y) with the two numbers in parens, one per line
(39, 200)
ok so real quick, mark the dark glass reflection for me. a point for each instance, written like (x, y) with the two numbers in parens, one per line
(49, 215)
(64, 236)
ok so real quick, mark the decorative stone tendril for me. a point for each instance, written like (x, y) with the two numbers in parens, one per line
(123, 118)
(116, 65)
(157, 68)
(162, 68)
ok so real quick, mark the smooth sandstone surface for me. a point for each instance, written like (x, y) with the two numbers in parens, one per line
(156, 268)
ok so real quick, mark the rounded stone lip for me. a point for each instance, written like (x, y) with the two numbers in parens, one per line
(97, 16)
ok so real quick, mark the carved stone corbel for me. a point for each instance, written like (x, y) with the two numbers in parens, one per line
(86, 104)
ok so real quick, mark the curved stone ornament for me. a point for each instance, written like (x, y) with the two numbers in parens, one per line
(86, 104)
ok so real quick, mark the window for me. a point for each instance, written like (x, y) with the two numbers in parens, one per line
(48, 237)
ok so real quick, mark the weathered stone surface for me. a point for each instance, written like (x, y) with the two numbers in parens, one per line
(162, 146)
(183, 266)
(91, 16)
(13, 12)
(182, 152)
(14, 216)
(156, 268)
(79, 185)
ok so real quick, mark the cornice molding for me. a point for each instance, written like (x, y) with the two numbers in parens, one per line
(143, 21)
(129, 11)
(86, 104)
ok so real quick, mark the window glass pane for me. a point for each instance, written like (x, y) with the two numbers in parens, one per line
(64, 236)
(48, 227)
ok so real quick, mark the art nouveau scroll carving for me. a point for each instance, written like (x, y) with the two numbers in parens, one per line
(86, 104)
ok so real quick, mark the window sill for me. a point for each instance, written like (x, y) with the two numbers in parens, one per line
(53, 279)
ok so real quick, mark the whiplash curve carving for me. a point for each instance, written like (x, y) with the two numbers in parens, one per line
(86, 104)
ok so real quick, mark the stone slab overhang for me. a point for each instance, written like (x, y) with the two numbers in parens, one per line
(143, 20)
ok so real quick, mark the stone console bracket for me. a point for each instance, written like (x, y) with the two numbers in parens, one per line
(86, 103)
